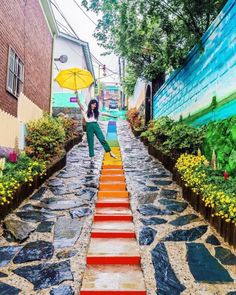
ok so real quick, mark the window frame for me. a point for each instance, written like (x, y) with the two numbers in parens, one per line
(15, 72)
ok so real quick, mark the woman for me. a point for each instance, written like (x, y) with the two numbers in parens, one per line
(92, 127)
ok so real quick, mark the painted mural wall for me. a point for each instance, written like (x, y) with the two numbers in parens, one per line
(205, 88)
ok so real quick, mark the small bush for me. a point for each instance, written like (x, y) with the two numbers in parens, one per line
(45, 138)
(70, 127)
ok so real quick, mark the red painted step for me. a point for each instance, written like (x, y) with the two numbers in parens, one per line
(113, 260)
(114, 235)
(113, 202)
(113, 217)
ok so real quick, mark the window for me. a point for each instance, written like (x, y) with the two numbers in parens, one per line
(15, 73)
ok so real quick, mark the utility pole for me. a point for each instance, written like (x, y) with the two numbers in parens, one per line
(123, 76)
(119, 62)
(99, 84)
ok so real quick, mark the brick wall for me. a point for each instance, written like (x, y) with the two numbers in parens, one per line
(23, 26)
(206, 74)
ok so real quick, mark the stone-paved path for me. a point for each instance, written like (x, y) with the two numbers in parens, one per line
(43, 245)
(181, 253)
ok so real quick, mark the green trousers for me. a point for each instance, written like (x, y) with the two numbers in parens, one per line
(91, 129)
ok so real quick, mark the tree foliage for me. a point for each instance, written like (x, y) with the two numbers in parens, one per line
(153, 36)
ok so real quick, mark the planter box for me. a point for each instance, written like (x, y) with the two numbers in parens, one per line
(70, 143)
(26, 189)
(226, 229)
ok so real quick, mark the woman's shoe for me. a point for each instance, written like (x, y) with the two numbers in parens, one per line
(92, 160)
(113, 156)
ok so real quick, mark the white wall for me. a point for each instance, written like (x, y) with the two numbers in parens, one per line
(75, 59)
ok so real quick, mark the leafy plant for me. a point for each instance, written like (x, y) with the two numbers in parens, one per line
(70, 127)
(135, 118)
(16, 173)
(221, 137)
(45, 138)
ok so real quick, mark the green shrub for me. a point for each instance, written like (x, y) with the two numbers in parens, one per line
(221, 137)
(70, 127)
(45, 138)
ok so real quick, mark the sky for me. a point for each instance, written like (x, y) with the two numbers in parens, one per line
(85, 28)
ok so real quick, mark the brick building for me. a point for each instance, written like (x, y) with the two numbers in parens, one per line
(27, 30)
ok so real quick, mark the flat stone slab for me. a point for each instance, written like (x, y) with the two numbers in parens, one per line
(149, 210)
(168, 193)
(204, 267)
(62, 290)
(6, 289)
(55, 182)
(81, 212)
(153, 221)
(60, 203)
(66, 232)
(3, 275)
(39, 194)
(183, 220)
(7, 254)
(166, 280)
(225, 256)
(35, 251)
(59, 190)
(212, 239)
(162, 182)
(174, 205)
(46, 275)
(186, 235)
(147, 198)
(146, 236)
(34, 216)
(45, 227)
(66, 254)
(85, 194)
(19, 229)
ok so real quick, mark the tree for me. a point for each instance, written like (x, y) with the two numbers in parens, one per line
(153, 36)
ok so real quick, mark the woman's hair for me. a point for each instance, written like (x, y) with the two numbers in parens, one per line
(95, 111)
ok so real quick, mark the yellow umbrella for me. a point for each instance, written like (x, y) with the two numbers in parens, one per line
(74, 78)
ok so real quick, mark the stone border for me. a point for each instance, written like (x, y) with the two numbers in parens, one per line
(26, 189)
(227, 230)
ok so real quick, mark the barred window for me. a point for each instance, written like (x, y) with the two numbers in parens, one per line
(15, 73)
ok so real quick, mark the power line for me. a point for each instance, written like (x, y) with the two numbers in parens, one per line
(84, 12)
(65, 19)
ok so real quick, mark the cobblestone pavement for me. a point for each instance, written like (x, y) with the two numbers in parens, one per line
(181, 253)
(43, 244)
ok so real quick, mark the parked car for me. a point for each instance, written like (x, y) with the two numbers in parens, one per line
(113, 105)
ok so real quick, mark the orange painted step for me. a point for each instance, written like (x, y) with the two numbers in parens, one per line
(113, 235)
(113, 194)
(112, 186)
(113, 217)
(113, 211)
(118, 279)
(113, 202)
(112, 172)
(112, 166)
(112, 178)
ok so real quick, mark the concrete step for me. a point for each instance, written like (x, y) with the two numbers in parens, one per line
(113, 202)
(112, 178)
(113, 226)
(107, 217)
(113, 211)
(113, 194)
(112, 167)
(113, 251)
(113, 279)
(112, 172)
(119, 186)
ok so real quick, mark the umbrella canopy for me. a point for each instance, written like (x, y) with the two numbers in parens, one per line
(74, 78)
